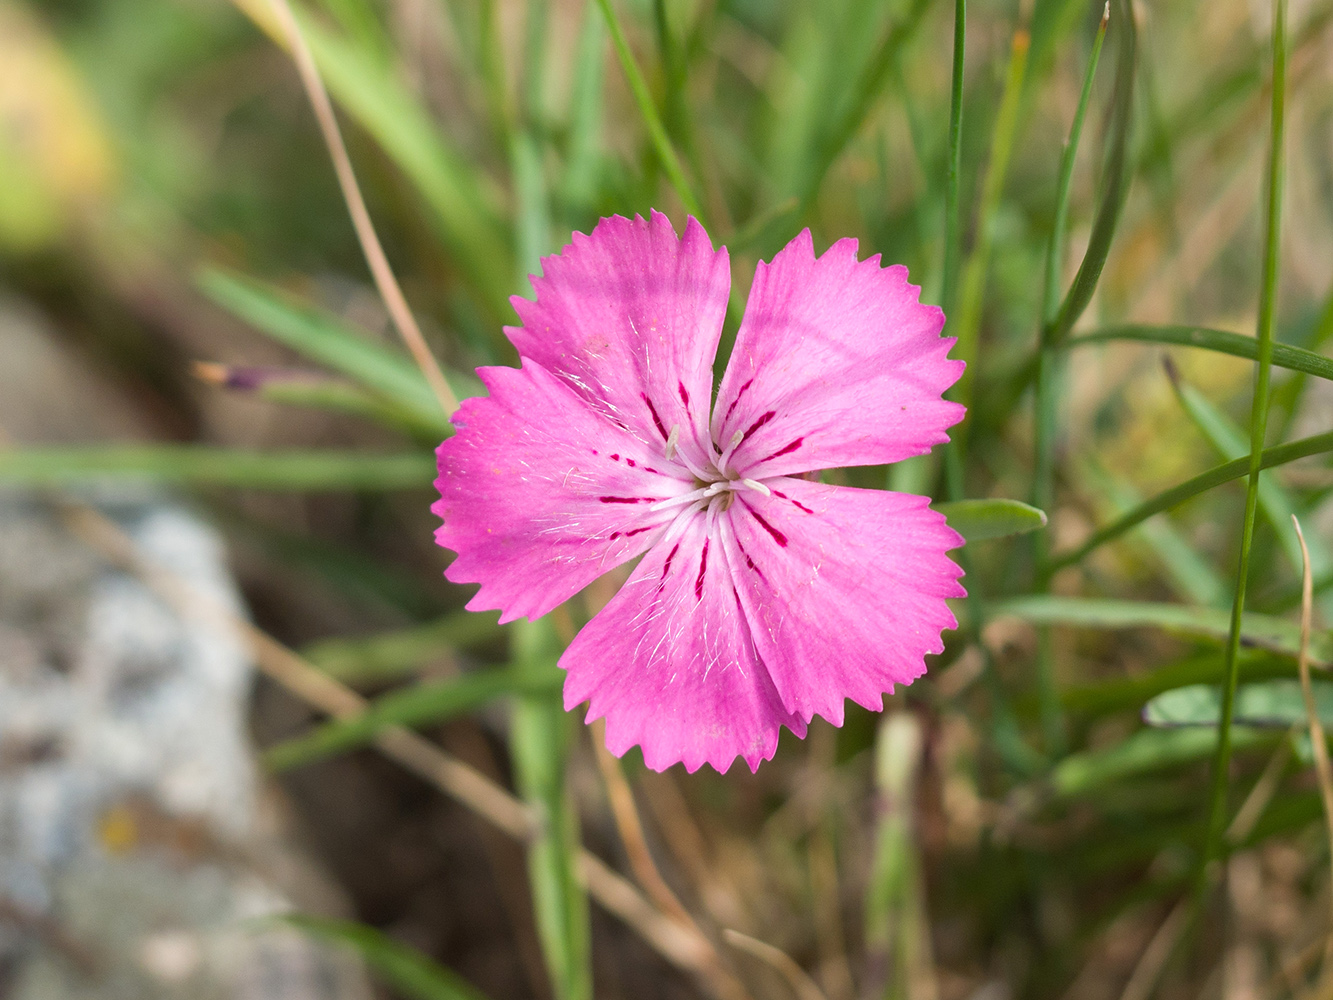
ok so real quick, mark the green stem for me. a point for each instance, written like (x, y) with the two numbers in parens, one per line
(1258, 428)
(657, 132)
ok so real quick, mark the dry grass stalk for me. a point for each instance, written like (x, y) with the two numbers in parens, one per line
(394, 300)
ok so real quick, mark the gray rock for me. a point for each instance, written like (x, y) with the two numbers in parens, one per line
(141, 855)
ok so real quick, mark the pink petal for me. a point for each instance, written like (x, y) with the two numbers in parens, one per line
(844, 589)
(670, 664)
(836, 363)
(540, 494)
(630, 317)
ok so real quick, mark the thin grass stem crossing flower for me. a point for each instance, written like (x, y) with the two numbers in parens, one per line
(763, 598)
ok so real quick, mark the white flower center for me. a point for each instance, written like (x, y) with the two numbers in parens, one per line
(716, 484)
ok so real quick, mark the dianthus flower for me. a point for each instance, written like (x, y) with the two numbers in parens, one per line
(763, 598)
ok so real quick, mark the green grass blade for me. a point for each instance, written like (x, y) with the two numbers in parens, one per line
(532, 223)
(323, 338)
(1055, 247)
(1202, 483)
(834, 139)
(666, 153)
(390, 655)
(1115, 184)
(967, 322)
(1123, 693)
(977, 520)
(1046, 404)
(203, 465)
(1217, 812)
(1192, 576)
(579, 183)
(540, 742)
(1276, 704)
(1229, 442)
(1260, 631)
(404, 968)
(1146, 750)
(953, 233)
(420, 705)
(1297, 359)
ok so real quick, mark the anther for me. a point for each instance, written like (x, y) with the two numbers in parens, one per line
(754, 484)
(672, 438)
(726, 453)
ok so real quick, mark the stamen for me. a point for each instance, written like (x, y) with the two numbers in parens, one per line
(736, 439)
(684, 498)
(754, 484)
(672, 438)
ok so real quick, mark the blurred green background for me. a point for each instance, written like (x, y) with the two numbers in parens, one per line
(166, 199)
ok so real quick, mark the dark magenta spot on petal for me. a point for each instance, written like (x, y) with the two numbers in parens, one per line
(615, 458)
(699, 580)
(639, 531)
(684, 396)
(656, 419)
(798, 503)
(778, 536)
(736, 400)
(749, 563)
(626, 499)
(758, 423)
(630, 462)
(785, 450)
(666, 566)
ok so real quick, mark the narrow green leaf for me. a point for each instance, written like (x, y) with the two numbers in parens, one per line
(323, 338)
(532, 222)
(1145, 750)
(1115, 183)
(976, 520)
(1276, 704)
(657, 132)
(1192, 576)
(1276, 634)
(317, 390)
(843, 126)
(1119, 694)
(1284, 355)
(404, 968)
(579, 184)
(420, 705)
(393, 654)
(953, 232)
(1270, 457)
(205, 465)
(966, 325)
(539, 740)
(1229, 442)
(1217, 813)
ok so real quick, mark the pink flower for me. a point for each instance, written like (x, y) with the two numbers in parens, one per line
(763, 599)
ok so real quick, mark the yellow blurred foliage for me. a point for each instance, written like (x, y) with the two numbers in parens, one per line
(56, 160)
